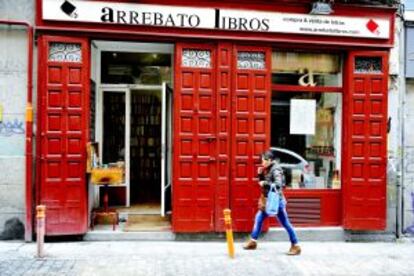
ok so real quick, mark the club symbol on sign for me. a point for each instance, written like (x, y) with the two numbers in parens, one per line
(69, 9)
(372, 26)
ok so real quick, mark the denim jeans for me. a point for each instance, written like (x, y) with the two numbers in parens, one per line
(282, 216)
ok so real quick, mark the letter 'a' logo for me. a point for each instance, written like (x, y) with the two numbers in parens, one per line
(69, 9)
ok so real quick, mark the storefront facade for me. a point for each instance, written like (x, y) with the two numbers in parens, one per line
(243, 77)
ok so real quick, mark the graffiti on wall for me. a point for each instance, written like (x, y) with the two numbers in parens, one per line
(10, 128)
(12, 132)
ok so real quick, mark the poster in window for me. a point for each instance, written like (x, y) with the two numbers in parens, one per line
(302, 116)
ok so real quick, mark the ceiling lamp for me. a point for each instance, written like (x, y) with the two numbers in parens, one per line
(321, 8)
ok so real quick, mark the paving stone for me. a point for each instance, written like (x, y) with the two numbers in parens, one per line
(206, 258)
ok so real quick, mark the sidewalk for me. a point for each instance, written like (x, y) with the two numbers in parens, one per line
(206, 258)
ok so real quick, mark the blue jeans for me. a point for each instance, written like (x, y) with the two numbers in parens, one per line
(282, 216)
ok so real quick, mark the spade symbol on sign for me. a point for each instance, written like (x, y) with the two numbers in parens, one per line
(69, 9)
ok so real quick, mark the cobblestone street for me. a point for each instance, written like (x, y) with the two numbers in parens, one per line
(206, 258)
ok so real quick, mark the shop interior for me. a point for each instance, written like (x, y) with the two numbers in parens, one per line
(131, 114)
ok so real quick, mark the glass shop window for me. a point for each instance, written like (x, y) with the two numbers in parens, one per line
(306, 69)
(306, 136)
(306, 127)
(135, 68)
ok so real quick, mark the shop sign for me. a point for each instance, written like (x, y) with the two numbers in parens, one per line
(208, 18)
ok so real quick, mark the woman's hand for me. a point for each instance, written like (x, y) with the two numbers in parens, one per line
(262, 183)
(260, 170)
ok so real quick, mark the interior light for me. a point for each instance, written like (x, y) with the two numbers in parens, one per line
(321, 8)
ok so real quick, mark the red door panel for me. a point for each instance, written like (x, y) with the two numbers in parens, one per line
(195, 141)
(365, 149)
(224, 75)
(62, 133)
(250, 129)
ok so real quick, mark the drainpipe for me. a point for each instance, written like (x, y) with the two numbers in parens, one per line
(29, 127)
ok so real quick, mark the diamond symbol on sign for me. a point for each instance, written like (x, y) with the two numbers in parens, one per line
(372, 26)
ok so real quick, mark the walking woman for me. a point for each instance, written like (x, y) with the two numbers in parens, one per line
(271, 173)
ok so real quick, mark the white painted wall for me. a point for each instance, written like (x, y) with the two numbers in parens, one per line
(13, 96)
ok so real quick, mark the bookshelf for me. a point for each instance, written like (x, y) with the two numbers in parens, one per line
(145, 146)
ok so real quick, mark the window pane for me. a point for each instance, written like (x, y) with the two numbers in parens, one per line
(65, 52)
(113, 127)
(135, 68)
(368, 65)
(306, 69)
(251, 60)
(196, 58)
(311, 160)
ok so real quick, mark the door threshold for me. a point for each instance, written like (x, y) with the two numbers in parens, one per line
(103, 233)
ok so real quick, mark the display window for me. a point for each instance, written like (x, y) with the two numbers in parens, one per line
(306, 124)
(306, 69)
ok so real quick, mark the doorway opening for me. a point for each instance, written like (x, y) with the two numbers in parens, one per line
(133, 127)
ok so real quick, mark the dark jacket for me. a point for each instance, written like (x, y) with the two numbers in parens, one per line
(272, 175)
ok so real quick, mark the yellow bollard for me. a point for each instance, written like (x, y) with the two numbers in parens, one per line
(40, 216)
(29, 113)
(229, 232)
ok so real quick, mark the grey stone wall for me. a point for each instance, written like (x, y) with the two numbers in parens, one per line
(13, 97)
(408, 194)
(23, 10)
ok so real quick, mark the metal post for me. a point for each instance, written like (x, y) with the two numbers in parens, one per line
(229, 232)
(40, 226)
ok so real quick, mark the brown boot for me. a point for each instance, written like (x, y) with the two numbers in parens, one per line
(294, 250)
(250, 245)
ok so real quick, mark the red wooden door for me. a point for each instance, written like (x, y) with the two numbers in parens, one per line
(250, 129)
(62, 133)
(195, 140)
(366, 141)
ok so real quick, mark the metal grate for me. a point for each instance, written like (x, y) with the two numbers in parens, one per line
(304, 210)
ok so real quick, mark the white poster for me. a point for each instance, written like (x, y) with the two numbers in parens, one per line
(302, 116)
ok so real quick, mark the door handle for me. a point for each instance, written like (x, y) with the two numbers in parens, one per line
(212, 159)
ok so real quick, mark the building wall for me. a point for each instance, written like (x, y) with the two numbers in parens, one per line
(13, 96)
(395, 111)
(408, 194)
(408, 122)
